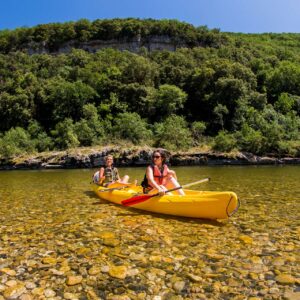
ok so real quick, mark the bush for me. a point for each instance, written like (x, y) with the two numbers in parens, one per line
(173, 134)
(65, 136)
(89, 130)
(289, 148)
(220, 111)
(15, 141)
(85, 134)
(284, 104)
(40, 139)
(198, 129)
(130, 126)
(224, 142)
(250, 140)
(170, 98)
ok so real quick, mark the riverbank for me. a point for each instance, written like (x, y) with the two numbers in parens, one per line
(93, 157)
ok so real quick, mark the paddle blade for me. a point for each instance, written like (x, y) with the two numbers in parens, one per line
(136, 200)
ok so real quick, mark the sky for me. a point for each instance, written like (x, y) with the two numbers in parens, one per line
(247, 16)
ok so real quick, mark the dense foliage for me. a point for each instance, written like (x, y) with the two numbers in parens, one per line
(234, 91)
(52, 36)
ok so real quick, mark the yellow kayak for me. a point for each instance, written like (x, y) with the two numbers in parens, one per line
(195, 204)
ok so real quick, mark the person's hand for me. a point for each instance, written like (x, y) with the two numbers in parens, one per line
(161, 190)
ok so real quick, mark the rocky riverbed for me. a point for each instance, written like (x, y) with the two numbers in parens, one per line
(135, 156)
(59, 241)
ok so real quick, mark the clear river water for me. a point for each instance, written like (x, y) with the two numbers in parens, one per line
(59, 241)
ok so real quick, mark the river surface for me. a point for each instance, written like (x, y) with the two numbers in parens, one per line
(59, 241)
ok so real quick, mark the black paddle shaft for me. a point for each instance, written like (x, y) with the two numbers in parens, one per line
(167, 191)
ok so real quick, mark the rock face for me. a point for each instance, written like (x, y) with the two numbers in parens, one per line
(134, 44)
(136, 157)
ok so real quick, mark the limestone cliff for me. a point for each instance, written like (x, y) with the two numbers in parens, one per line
(131, 44)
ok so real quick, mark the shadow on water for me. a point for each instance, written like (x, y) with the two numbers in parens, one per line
(91, 194)
(134, 211)
(97, 203)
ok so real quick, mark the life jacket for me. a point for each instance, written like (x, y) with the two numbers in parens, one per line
(160, 176)
(111, 174)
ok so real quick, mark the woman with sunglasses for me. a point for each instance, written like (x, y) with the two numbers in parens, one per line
(159, 178)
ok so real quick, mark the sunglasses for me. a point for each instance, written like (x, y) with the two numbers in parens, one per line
(156, 156)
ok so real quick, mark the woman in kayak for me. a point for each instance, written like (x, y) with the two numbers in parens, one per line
(158, 177)
(109, 174)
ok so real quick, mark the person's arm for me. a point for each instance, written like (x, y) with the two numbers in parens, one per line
(101, 175)
(150, 177)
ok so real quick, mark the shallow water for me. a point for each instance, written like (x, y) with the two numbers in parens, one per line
(54, 228)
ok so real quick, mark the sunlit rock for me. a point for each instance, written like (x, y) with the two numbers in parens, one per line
(119, 272)
(73, 280)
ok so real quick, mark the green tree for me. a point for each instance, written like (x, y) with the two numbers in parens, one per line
(257, 100)
(64, 135)
(68, 98)
(285, 103)
(224, 141)
(173, 134)
(130, 126)
(15, 141)
(284, 79)
(83, 30)
(170, 99)
(220, 111)
(112, 106)
(250, 140)
(15, 110)
(140, 69)
(40, 140)
(198, 129)
(89, 129)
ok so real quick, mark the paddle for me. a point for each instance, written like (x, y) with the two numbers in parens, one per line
(142, 198)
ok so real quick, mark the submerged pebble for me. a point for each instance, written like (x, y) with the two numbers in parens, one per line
(59, 241)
